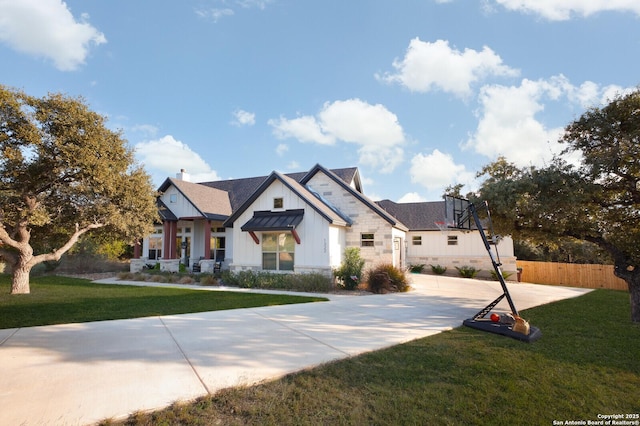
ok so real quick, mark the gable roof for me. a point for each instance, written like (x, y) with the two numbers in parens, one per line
(211, 203)
(330, 213)
(364, 199)
(240, 190)
(417, 216)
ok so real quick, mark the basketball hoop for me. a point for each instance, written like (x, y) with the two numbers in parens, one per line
(443, 226)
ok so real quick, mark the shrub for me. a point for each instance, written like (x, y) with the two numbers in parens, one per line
(386, 278)
(311, 282)
(437, 269)
(467, 271)
(185, 280)
(416, 269)
(208, 279)
(350, 271)
(505, 275)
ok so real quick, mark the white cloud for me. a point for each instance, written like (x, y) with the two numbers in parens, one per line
(412, 197)
(305, 129)
(46, 28)
(214, 14)
(165, 157)
(243, 118)
(281, 149)
(436, 66)
(148, 130)
(508, 123)
(372, 127)
(438, 170)
(560, 10)
(294, 165)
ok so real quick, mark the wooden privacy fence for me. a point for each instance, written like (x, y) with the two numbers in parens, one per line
(571, 275)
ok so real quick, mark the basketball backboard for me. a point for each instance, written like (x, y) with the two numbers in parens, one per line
(456, 213)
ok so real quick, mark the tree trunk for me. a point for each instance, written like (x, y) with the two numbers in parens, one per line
(20, 282)
(634, 297)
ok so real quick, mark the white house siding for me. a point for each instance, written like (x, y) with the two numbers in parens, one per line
(313, 252)
(469, 251)
(181, 207)
(337, 243)
(364, 220)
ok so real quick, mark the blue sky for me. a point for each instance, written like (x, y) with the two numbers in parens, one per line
(419, 94)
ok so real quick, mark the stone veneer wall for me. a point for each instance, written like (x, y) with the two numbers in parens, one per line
(365, 221)
(483, 263)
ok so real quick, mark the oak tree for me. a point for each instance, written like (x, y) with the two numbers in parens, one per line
(597, 200)
(63, 173)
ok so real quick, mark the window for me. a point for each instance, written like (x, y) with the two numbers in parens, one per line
(278, 251)
(417, 240)
(173, 198)
(155, 247)
(452, 240)
(366, 240)
(217, 248)
(278, 203)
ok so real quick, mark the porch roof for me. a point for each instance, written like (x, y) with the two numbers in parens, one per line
(274, 221)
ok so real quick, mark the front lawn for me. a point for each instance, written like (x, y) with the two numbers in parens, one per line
(60, 300)
(585, 364)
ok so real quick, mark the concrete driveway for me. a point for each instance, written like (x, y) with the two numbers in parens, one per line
(77, 374)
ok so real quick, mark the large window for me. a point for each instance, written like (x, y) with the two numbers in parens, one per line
(155, 246)
(278, 251)
(217, 248)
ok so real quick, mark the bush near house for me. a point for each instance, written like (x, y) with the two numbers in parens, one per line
(505, 275)
(467, 271)
(416, 269)
(386, 278)
(312, 282)
(350, 271)
(438, 269)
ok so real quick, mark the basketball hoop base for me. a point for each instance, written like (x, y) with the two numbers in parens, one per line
(503, 329)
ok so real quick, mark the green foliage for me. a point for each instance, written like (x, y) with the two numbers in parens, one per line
(417, 269)
(386, 278)
(64, 173)
(438, 269)
(467, 271)
(505, 275)
(311, 282)
(350, 271)
(597, 201)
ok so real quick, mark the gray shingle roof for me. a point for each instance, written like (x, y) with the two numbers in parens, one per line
(417, 216)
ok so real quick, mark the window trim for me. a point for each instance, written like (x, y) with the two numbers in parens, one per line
(366, 241)
(278, 252)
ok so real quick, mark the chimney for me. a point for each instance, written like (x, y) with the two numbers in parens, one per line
(183, 175)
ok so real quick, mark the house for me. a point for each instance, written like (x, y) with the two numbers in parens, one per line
(298, 222)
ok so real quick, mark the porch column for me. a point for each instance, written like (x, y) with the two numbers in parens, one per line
(137, 249)
(169, 233)
(207, 239)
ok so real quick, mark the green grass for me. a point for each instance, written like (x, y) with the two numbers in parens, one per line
(585, 364)
(60, 300)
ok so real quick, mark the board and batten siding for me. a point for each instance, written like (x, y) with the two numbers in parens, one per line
(181, 207)
(311, 255)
